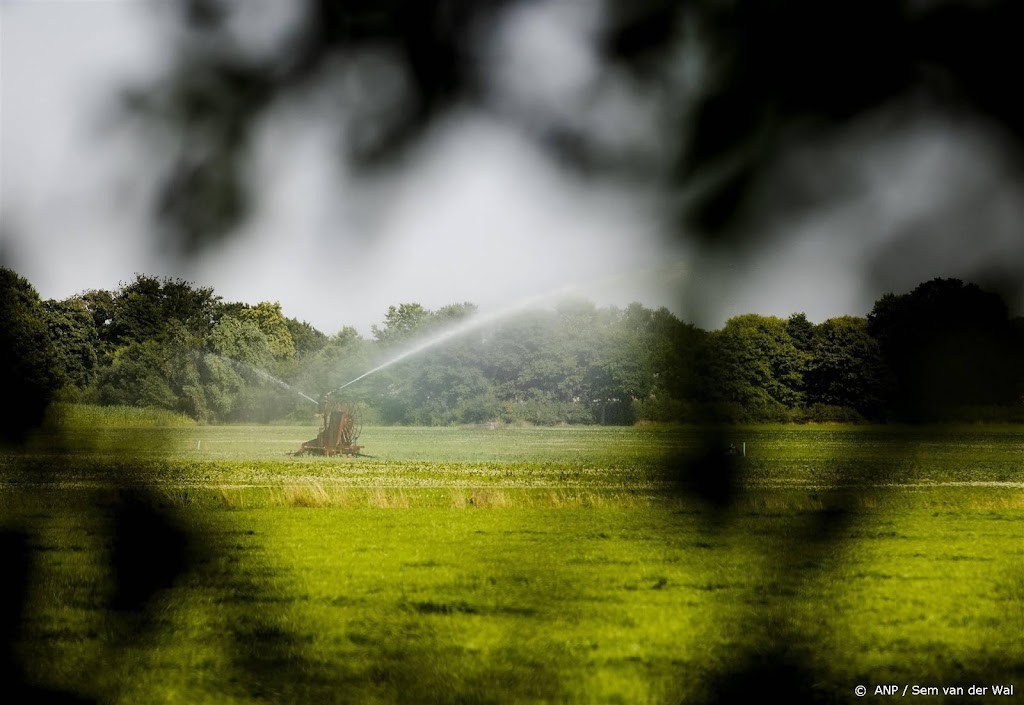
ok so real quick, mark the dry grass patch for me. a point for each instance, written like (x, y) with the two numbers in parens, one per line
(388, 498)
(490, 499)
(307, 495)
(457, 498)
(232, 498)
(1010, 502)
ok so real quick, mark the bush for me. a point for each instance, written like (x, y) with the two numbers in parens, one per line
(665, 410)
(827, 413)
(93, 415)
(546, 412)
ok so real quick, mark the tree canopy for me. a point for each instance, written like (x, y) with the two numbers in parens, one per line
(949, 345)
(29, 367)
(946, 350)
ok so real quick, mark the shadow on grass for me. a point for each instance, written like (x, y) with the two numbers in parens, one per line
(799, 555)
(145, 552)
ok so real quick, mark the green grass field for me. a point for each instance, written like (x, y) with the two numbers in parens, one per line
(549, 565)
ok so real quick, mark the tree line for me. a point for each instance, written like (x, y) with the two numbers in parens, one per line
(945, 351)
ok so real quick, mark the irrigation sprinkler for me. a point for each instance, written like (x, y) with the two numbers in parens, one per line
(339, 431)
(461, 328)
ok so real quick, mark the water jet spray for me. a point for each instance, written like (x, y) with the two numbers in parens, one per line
(461, 328)
(265, 375)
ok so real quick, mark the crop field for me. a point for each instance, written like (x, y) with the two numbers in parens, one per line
(519, 565)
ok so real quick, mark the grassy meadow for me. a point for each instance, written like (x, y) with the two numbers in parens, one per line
(508, 565)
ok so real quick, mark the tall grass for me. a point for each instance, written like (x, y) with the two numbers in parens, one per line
(93, 415)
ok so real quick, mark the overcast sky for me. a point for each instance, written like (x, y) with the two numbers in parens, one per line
(480, 214)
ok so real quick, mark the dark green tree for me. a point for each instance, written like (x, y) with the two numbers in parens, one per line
(306, 338)
(1017, 359)
(676, 367)
(144, 309)
(100, 305)
(270, 319)
(447, 386)
(533, 365)
(240, 340)
(29, 373)
(801, 331)
(75, 342)
(949, 346)
(237, 354)
(847, 368)
(401, 323)
(620, 371)
(139, 375)
(754, 364)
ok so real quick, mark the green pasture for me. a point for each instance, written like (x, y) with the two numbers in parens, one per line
(509, 565)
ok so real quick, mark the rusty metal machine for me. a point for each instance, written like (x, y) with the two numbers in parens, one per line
(339, 431)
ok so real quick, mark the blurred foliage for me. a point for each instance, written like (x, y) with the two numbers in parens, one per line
(27, 357)
(948, 344)
(734, 85)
